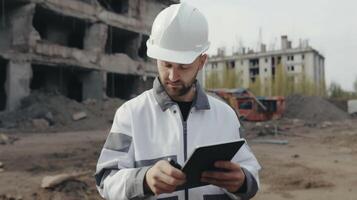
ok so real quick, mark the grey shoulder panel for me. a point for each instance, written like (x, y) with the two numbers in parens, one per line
(118, 142)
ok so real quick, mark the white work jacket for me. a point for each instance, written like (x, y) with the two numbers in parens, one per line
(150, 127)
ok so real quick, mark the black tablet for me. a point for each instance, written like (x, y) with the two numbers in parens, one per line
(203, 159)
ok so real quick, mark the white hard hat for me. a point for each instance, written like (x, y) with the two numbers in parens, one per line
(179, 34)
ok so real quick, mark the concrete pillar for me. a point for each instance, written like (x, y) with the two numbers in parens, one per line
(96, 37)
(135, 7)
(104, 81)
(21, 22)
(3, 64)
(17, 85)
(93, 85)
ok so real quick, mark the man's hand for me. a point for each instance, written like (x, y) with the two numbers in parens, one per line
(232, 179)
(163, 178)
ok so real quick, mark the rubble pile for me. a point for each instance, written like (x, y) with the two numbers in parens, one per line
(43, 111)
(313, 108)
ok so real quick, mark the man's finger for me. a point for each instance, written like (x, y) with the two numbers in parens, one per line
(172, 171)
(231, 186)
(218, 182)
(161, 187)
(170, 180)
(227, 165)
(223, 176)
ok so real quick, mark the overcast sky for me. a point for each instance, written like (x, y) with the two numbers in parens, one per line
(329, 25)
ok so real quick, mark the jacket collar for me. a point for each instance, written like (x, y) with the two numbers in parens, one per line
(200, 101)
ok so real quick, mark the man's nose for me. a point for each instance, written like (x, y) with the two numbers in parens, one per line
(174, 74)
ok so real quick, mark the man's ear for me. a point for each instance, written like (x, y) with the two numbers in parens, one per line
(203, 60)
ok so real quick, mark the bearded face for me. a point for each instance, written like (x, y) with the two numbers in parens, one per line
(178, 79)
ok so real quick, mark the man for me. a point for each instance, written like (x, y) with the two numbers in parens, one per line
(170, 120)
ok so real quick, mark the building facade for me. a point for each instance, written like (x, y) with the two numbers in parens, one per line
(80, 48)
(298, 66)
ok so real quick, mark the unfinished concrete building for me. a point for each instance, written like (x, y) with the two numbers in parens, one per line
(297, 62)
(79, 48)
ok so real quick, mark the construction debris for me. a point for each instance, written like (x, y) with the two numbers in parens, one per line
(4, 139)
(326, 124)
(352, 106)
(52, 112)
(79, 116)
(313, 109)
(10, 197)
(1, 167)
(53, 181)
(40, 124)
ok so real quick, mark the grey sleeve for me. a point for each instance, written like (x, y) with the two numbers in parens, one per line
(252, 186)
(135, 184)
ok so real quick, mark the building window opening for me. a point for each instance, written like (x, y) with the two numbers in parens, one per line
(3, 73)
(120, 86)
(117, 6)
(59, 29)
(290, 57)
(232, 64)
(253, 63)
(123, 41)
(91, 2)
(254, 72)
(64, 80)
(273, 71)
(143, 48)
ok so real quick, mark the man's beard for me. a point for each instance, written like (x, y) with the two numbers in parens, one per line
(183, 90)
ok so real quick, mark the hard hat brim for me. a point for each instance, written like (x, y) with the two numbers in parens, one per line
(181, 57)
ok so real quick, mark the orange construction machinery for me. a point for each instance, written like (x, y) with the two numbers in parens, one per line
(252, 108)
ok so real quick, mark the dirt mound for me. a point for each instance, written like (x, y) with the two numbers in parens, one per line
(285, 176)
(53, 112)
(313, 108)
(72, 189)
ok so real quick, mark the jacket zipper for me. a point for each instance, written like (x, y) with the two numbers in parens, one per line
(184, 123)
(184, 127)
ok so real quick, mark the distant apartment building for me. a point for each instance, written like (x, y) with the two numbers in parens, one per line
(300, 65)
